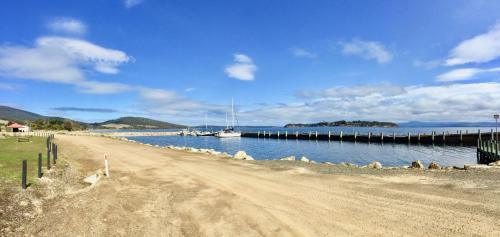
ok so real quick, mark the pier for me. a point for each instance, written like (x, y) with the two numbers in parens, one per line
(453, 139)
(487, 151)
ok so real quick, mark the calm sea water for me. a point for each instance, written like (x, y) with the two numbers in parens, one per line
(388, 154)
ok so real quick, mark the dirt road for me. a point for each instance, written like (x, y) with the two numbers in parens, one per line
(160, 192)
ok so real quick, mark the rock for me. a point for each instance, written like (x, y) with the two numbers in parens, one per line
(345, 164)
(449, 168)
(288, 158)
(328, 163)
(417, 164)
(312, 162)
(375, 165)
(93, 179)
(405, 167)
(496, 163)
(242, 155)
(476, 167)
(304, 159)
(434, 166)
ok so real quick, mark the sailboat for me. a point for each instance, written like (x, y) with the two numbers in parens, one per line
(229, 131)
(206, 132)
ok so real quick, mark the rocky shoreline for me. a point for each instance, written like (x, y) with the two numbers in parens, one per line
(242, 155)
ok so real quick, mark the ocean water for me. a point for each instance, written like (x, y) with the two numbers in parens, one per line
(389, 154)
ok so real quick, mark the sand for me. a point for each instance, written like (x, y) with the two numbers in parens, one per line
(161, 192)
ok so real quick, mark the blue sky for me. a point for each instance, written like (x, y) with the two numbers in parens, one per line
(281, 61)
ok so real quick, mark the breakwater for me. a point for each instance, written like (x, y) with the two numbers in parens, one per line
(459, 138)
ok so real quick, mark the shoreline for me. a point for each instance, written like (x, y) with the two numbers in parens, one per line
(181, 192)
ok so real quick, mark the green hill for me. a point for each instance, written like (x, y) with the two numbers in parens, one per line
(137, 123)
(13, 114)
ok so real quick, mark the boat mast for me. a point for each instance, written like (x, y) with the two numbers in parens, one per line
(227, 123)
(232, 113)
(206, 123)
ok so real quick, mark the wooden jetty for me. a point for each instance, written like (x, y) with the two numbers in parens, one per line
(487, 151)
(454, 139)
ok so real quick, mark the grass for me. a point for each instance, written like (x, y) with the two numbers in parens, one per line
(12, 153)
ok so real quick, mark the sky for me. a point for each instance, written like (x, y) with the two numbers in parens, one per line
(280, 61)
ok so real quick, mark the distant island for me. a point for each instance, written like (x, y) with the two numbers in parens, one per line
(344, 123)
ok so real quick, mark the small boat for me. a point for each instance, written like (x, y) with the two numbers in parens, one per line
(229, 131)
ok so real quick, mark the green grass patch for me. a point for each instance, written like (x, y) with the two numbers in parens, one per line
(12, 153)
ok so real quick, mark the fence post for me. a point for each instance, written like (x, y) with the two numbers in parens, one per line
(106, 166)
(54, 153)
(39, 165)
(48, 159)
(24, 174)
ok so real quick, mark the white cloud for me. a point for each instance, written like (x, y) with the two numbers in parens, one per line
(63, 60)
(132, 3)
(353, 91)
(243, 68)
(479, 49)
(367, 50)
(302, 53)
(67, 25)
(457, 102)
(463, 74)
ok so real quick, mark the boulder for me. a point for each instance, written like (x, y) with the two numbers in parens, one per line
(288, 158)
(417, 164)
(496, 163)
(93, 179)
(375, 165)
(477, 167)
(434, 166)
(304, 159)
(345, 164)
(328, 163)
(242, 155)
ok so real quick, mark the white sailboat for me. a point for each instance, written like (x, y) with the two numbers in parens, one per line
(229, 131)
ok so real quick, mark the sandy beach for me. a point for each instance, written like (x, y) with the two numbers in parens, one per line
(162, 192)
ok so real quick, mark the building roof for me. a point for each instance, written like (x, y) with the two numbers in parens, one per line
(15, 125)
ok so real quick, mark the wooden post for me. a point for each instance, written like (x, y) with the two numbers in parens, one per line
(48, 160)
(409, 137)
(329, 134)
(394, 136)
(258, 133)
(106, 165)
(264, 134)
(286, 134)
(382, 136)
(310, 135)
(54, 153)
(418, 137)
(492, 136)
(444, 137)
(316, 135)
(479, 134)
(369, 136)
(355, 135)
(278, 134)
(39, 165)
(296, 134)
(24, 174)
(341, 133)
(433, 134)
(461, 137)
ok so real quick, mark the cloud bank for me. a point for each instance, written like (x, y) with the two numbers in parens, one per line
(63, 60)
(91, 110)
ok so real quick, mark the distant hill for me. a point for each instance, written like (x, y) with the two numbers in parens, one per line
(344, 123)
(37, 121)
(137, 123)
(13, 114)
